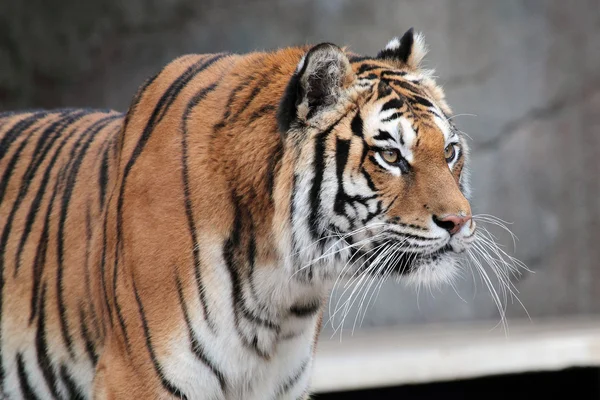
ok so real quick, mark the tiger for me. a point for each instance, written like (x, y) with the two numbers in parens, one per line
(185, 249)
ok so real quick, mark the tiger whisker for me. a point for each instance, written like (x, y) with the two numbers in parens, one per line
(359, 287)
(347, 304)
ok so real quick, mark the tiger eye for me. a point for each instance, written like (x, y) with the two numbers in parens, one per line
(390, 156)
(450, 152)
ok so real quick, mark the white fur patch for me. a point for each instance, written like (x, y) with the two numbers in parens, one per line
(409, 136)
(393, 44)
(301, 63)
(444, 127)
(418, 52)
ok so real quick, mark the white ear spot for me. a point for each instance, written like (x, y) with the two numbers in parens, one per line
(301, 63)
(393, 44)
(419, 51)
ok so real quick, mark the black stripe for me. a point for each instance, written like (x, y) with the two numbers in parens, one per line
(252, 317)
(357, 125)
(371, 215)
(136, 100)
(258, 87)
(394, 116)
(369, 77)
(187, 198)
(406, 85)
(293, 211)
(395, 219)
(315, 190)
(41, 347)
(89, 134)
(383, 135)
(4, 144)
(85, 334)
(384, 90)
(273, 167)
(195, 345)
(341, 159)
(251, 255)
(103, 176)
(392, 104)
(161, 108)
(368, 67)
(422, 101)
(88, 283)
(231, 249)
(392, 73)
(266, 109)
(73, 392)
(26, 390)
(357, 58)
(11, 135)
(7, 224)
(305, 310)
(232, 96)
(10, 168)
(103, 275)
(57, 128)
(40, 256)
(167, 385)
(368, 179)
(121, 320)
(292, 380)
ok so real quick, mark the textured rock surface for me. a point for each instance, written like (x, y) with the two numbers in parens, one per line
(528, 70)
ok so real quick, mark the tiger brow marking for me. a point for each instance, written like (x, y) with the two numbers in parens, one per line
(383, 135)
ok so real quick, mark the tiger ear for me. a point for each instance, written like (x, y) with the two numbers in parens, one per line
(410, 49)
(317, 85)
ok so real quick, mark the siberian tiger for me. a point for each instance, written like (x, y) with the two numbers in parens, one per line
(185, 249)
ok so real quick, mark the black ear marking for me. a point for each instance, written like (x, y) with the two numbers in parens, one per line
(399, 49)
(317, 84)
(286, 112)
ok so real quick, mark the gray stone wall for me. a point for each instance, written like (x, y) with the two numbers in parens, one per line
(528, 71)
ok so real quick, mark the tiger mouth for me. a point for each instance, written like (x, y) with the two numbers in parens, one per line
(407, 262)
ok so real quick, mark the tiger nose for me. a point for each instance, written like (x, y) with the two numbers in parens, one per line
(451, 223)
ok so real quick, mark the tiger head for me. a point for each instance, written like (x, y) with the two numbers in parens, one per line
(380, 182)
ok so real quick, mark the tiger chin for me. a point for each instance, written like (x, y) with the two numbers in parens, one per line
(185, 248)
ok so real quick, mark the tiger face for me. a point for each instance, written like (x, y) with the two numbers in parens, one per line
(380, 180)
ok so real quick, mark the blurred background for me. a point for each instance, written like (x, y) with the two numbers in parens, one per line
(523, 77)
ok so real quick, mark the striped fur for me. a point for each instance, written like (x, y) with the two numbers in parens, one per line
(184, 249)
